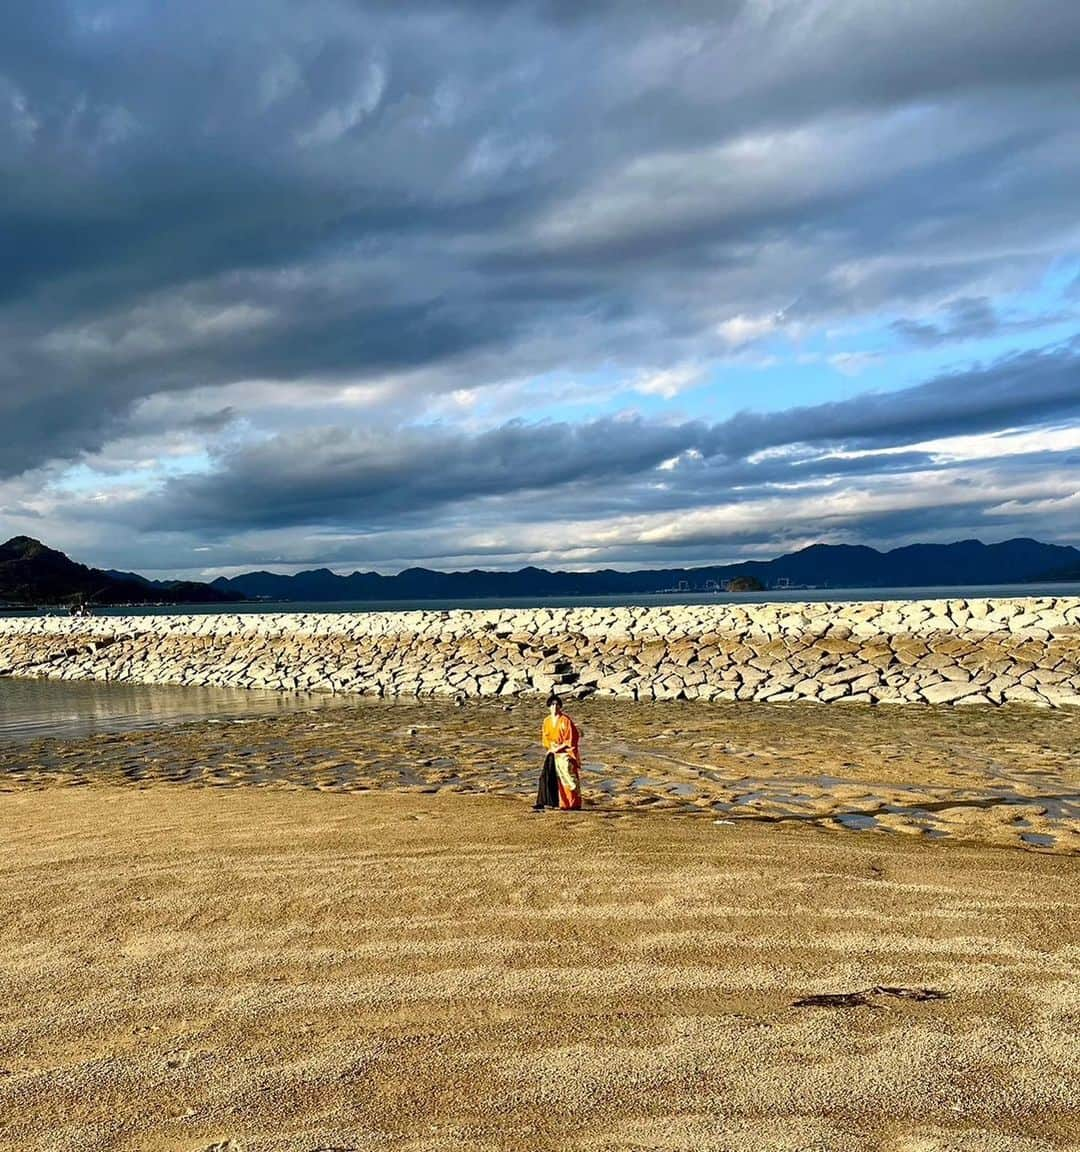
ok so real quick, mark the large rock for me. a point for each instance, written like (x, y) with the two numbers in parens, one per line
(947, 692)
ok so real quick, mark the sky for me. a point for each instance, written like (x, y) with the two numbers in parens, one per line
(575, 283)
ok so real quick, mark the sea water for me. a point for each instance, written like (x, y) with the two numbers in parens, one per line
(73, 709)
(647, 600)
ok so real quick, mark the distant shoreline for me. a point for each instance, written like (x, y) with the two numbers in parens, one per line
(651, 599)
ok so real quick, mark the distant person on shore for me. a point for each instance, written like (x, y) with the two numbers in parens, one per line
(560, 777)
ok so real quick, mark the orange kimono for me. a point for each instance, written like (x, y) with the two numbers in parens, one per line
(561, 730)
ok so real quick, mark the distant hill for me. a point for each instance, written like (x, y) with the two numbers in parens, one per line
(176, 591)
(967, 562)
(1069, 575)
(31, 573)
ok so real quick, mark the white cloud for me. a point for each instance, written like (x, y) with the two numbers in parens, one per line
(670, 382)
(740, 330)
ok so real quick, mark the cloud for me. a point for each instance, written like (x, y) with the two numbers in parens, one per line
(1018, 390)
(279, 245)
(971, 319)
(707, 184)
(740, 330)
(339, 476)
(669, 382)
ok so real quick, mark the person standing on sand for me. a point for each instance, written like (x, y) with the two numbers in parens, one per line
(560, 778)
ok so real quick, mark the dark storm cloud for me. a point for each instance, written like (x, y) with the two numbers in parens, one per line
(343, 476)
(393, 187)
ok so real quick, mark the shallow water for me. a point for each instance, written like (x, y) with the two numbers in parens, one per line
(30, 709)
(1039, 839)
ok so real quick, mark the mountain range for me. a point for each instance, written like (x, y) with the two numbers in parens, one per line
(31, 573)
(967, 562)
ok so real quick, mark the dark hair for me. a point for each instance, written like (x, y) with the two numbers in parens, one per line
(553, 699)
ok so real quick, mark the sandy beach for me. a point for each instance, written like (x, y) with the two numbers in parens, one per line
(295, 963)
(379, 379)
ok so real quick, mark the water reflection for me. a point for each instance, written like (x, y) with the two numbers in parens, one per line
(30, 709)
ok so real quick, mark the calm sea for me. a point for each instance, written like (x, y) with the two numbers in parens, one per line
(76, 708)
(778, 596)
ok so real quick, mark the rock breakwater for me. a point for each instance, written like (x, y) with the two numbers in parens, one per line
(955, 651)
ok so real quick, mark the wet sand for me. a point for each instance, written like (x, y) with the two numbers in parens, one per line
(1008, 776)
(346, 930)
(195, 968)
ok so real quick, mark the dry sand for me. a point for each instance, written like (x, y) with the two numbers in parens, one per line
(185, 967)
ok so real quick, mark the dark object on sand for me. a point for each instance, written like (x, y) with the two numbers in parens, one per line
(865, 998)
